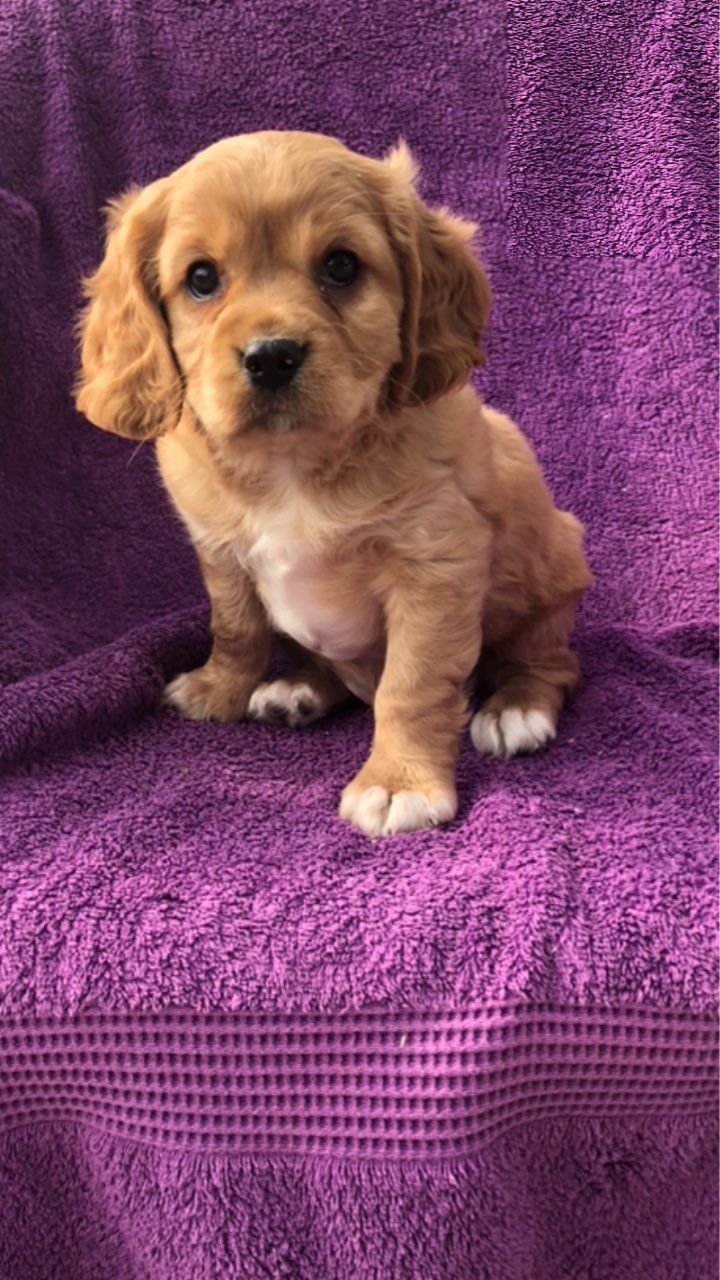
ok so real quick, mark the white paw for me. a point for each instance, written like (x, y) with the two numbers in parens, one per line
(286, 702)
(510, 732)
(378, 812)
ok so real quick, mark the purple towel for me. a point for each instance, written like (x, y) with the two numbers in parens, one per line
(238, 1039)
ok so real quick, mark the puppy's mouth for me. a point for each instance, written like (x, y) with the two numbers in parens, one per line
(281, 413)
(279, 420)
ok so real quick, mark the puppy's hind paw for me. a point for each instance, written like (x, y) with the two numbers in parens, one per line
(286, 702)
(510, 732)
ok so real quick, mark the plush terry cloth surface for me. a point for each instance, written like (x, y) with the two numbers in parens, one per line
(149, 864)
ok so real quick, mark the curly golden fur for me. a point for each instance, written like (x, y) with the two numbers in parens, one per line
(372, 513)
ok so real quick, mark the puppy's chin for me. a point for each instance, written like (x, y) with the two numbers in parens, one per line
(274, 422)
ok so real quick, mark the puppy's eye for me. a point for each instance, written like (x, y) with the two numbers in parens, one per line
(202, 280)
(340, 267)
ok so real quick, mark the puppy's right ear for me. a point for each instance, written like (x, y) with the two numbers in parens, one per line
(129, 382)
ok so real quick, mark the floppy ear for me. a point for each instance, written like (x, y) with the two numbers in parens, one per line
(447, 295)
(129, 382)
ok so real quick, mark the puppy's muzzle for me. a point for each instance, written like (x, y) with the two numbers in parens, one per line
(271, 364)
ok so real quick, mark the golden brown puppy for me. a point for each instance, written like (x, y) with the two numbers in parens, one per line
(297, 328)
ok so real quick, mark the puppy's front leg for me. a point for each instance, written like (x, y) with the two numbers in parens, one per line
(241, 635)
(433, 619)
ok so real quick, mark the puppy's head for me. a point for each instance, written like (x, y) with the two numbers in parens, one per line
(281, 285)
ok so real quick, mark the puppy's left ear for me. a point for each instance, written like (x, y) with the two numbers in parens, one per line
(447, 295)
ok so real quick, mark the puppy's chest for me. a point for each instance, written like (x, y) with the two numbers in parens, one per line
(307, 594)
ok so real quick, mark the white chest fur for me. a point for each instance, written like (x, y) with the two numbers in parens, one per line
(308, 595)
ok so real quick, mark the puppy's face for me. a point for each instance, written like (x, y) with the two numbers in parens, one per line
(282, 287)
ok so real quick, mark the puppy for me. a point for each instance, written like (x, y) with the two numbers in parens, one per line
(296, 328)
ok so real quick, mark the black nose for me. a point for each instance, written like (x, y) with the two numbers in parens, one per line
(273, 363)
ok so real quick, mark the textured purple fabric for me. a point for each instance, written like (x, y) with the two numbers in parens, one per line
(148, 863)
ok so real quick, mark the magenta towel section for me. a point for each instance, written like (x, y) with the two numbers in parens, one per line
(238, 1039)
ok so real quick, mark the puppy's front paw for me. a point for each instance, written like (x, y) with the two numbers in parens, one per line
(384, 803)
(290, 702)
(208, 693)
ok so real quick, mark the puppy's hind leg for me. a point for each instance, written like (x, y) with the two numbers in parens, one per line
(531, 674)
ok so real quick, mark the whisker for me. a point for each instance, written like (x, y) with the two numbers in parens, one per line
(134, 453)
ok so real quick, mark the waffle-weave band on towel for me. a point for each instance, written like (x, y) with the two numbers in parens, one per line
(375, 1084)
